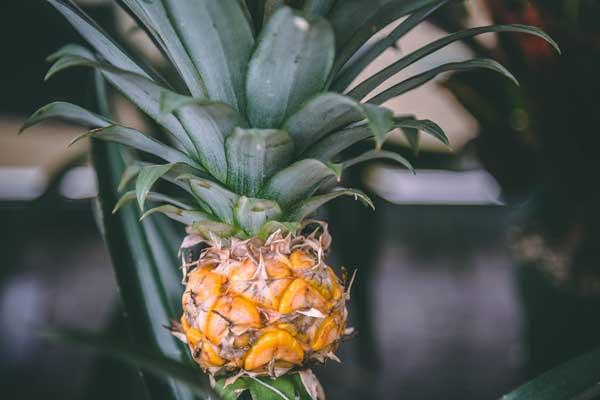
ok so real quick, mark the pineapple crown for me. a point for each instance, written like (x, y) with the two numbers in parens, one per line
(264, 103)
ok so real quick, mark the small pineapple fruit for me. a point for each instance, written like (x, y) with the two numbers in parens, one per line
(257, 121)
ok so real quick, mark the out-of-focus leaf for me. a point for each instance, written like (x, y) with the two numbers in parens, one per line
(370, 84)
(421, 79)
(155, 363)
(66, 112)
(359, 63)
(577, 379)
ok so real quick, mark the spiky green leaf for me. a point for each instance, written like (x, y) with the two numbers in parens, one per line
(359, 63)
(421, 79)
(251, 214)
(67, 112)
(377, 155)
(370, 84)
(332, 145)
(307, 207)
(219, 200)
(298, 181)
(153, 15)
(152, 196)
(146, 179)
(423, 125)
(254, 155)
(218, 37)
(186, 217)
(291, 63)
(137, 140)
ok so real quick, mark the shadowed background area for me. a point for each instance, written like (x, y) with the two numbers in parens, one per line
(473, 276)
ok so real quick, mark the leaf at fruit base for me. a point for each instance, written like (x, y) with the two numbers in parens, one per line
(290, 64)
(253, 155)
(134, 354)
(152, 196)
(66, 112)
(265, 388)
(370, 84)
(307, 381)
(154, 17)
(218, 37)
(575, 380)
(376, 155)
(141, 91)
(359, 64)
(307, 207)
(146, 179)
(333, 144)
(296, 182)
(231, 391)
(137, 140)
(220, 200)
(423, 125)
(421, 79)
(355, 21)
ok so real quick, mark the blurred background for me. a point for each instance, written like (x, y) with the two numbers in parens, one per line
(475, 275)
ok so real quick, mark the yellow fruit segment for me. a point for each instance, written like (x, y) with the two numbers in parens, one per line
(263, 287)
(300, 295)
(300, 260)
(210, 355)
(326, 334)
(277, 345)
(231, 312)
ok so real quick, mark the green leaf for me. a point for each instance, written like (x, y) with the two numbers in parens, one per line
(370, 84)
(296, 182)
(141, 91)
(252, 214)
(360, 63)
(208, 125)
(307, 207)
(576, 379)
(318, 7)
(171, 176)
(253, 155)
(333, 144)
(413, 136)
(137, 140)
(218, 37)
(355, 21)
(265, 388)
(321, 115)
(186, 217)
(150, 289)
(375, 155)
(134, 354)
(147, 177)
(220, 200)
(232, 391)
(421, 79)
(99, 39)
(154, 17)
(380, 121)
(209, 228)
(424, 125)
(66, 112)
(152, 196)
(291, 64)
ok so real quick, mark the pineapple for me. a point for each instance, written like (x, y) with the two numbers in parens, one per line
(255, 123)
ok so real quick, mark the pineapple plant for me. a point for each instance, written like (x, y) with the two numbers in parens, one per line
(255, 123)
